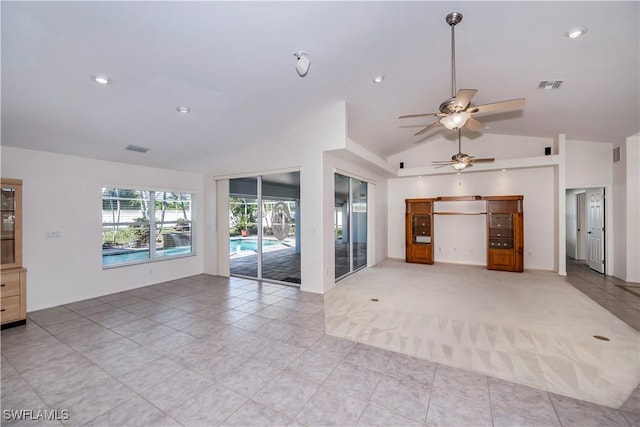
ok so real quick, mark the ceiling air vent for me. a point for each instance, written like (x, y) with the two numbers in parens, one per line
(616, 154)
(549, 84)
(137, 148)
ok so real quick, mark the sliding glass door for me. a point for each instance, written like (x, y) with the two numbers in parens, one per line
(243, 228)
(350, 225)
(264, 239)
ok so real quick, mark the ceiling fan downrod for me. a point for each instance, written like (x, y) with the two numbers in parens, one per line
(452, 19)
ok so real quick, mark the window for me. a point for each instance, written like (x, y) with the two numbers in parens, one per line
(143, 226)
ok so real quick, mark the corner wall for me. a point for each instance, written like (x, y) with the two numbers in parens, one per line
(627, 202)
(300, 147)
(64, 193)
(533, 183)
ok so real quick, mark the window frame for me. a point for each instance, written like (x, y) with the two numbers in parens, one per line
(152, 221)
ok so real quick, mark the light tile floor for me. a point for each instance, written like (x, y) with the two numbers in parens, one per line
(207, 350)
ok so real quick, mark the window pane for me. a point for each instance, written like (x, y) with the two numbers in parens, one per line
(359, 223)
(173, 223)
(126, 225)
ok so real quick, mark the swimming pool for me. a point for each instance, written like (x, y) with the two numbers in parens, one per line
(141, 255)
(238, 244)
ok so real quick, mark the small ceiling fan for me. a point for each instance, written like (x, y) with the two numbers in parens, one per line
(457, 111)
(460, 160)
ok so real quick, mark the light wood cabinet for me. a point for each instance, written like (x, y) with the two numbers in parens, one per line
(505, 234)
(13, 277)
(419, 230)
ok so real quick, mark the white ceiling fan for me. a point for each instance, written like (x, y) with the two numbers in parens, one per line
(457, 111)
(460, 161)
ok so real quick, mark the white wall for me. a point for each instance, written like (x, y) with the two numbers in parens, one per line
(619, 178)
(589, 164)
(632, 229)
(300, 147)
(303, 147)
(535, 184)
(485, 145)
(63, 193)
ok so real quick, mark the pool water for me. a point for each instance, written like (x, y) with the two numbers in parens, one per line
(142, 255)
(238, 244)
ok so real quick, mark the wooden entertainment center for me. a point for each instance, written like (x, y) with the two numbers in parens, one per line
(505, 234)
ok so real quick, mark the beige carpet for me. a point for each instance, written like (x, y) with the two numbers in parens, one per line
(532, 328)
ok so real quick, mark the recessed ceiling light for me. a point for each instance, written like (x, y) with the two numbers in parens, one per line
(102, 79)
(183, 110)
(378, 79)
(575, 32)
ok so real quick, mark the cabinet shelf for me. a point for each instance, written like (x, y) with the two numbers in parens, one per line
(419, 230)
(13, 293)
(505, 233)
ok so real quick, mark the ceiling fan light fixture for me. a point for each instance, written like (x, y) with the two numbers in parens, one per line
(461, 165)
(456, 120)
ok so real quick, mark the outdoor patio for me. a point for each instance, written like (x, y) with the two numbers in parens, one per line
(281, 264)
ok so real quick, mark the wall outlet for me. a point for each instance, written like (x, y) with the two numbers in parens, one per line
(53, 234)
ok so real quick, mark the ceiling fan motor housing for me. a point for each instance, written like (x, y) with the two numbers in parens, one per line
(447, 106)
(454, 18)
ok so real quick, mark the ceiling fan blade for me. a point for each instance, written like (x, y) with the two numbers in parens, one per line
(496, 106)
(485, 160)
(408, 116)
(442, 162)
(474, 124)
(463, 98)
(431, 126)
(441, 165)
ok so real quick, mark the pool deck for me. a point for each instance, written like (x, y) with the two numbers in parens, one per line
(279, 262)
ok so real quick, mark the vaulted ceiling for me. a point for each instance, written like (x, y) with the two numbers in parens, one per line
(232, 64)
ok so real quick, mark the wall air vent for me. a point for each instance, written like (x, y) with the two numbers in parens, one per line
(616, 154)
(137, 148)
(549, 84)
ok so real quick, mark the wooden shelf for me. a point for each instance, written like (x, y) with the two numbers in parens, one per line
(459, 213)
(457, 198)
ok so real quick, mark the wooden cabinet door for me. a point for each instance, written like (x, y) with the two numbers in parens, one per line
(421, 254)
(501, 259)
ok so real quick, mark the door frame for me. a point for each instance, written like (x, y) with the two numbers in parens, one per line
(581, 225)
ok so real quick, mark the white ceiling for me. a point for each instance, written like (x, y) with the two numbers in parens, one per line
(233, 64)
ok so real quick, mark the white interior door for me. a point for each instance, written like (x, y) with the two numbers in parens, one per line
(595, 226)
